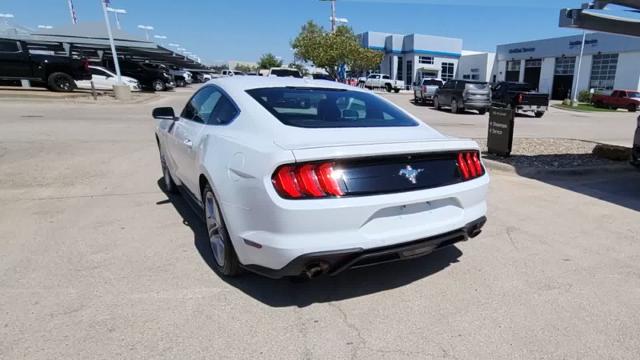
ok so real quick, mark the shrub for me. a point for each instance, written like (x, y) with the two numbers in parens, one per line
(584, 96)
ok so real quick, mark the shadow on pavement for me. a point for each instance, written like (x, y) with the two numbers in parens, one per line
(350, 284)
(616, 182)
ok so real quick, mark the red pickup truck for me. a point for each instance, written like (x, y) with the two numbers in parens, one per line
(619, 99)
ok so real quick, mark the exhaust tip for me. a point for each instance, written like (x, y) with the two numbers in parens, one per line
(315, 270)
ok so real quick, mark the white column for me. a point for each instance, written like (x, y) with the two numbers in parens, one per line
(522, 67)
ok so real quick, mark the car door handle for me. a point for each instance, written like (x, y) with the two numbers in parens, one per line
(188, 143)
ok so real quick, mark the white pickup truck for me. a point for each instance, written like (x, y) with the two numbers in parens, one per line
(376, 81)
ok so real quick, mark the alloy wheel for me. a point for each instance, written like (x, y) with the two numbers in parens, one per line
(214, 223)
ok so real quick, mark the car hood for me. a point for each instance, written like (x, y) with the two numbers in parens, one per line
(303, 138)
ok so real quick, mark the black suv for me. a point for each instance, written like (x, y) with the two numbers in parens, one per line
(151, 76)
(463, 95)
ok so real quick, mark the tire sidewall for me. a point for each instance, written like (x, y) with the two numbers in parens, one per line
(55, 77)
(155, 86)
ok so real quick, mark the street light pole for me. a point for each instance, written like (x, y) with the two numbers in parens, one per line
(574, 101)
(146, 29)
(116, 13)
(116, 64)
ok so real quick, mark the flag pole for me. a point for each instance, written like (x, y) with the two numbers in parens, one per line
(116, 64)
(72, 12)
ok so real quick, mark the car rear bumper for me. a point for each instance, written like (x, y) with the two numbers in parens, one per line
(335, 262)
(477, 105)
(534, 108)
(275, 231)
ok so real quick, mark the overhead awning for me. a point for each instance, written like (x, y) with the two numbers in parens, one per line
(589, 18)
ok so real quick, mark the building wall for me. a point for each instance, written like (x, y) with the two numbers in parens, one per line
(483, 63)
(585, 73)
(546, 75)
(628, 73)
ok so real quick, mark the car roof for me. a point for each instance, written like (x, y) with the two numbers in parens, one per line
(255, 82)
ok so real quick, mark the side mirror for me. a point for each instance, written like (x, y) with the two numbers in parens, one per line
(164, 113)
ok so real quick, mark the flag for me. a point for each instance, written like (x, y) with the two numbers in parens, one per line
(72, 11)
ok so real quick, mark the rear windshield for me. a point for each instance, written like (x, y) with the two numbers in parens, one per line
(432, 83)
(286, 73)
(520, 87)
(329, 108)
(477, 86)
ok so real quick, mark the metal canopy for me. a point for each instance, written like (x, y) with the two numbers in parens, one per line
(91, 40)
(586, 18)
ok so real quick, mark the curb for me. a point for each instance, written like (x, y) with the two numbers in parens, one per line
(532, 172)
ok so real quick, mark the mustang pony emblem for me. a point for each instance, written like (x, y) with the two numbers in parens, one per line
(410, 173)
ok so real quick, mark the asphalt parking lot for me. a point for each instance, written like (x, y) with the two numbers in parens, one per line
(97, 262)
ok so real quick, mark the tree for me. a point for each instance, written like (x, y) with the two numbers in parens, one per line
(244, 68)
(268, 61)
(329, 50)
(300, 67)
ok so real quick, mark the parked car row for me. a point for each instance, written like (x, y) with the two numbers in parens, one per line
(461, 95)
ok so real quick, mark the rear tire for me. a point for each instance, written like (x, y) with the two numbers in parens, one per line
(436, 103)
(181, 83)
(454, 106)
(226, 261)
(60, 82)
(539, 114)
(388, 87)
(632, 108)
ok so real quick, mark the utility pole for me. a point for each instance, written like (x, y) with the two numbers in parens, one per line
(333, 15)
(574, 101)
(116, 64)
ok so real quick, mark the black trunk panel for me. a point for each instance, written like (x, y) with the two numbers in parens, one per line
(398, 173)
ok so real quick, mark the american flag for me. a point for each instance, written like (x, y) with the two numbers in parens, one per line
(72, 10)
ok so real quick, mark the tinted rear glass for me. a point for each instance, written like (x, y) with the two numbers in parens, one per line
(633, 94)
(286, 73)
(329, 108)
(432, 83)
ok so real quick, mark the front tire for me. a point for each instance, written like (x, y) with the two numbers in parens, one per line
(539, 114)
(158, 85)
(61, 82)
(224, 255)
(632, 108)
(436, 103)
(169, 185)
(388, 88)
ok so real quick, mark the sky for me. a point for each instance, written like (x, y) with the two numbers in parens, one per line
(221, 30)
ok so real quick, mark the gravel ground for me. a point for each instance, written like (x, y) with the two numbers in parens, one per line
(550, 154)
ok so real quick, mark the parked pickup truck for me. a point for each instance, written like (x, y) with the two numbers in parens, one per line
(521, 97)
(425, 90)
(58, 72)
(619, 99)
(376, 81)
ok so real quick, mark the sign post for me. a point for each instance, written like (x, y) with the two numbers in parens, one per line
(500, 132)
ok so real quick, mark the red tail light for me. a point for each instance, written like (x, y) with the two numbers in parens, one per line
(469, 165)
(519, 98)
(308, 180)
(85, 65)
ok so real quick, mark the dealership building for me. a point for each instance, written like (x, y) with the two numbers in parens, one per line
(414, 56)
(609, 62)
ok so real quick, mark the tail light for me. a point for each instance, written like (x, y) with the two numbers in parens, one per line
(308, 180)
(85, 65)
(423, 88)
(469, 165)
(519, 98)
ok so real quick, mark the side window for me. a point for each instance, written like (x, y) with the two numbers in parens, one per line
(386, 77)
(97, 72)
(9, 46)
(201, 105)
(224, 111)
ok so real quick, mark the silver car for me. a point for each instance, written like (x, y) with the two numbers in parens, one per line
(424, 91)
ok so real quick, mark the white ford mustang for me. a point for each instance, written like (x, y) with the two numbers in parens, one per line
(302, 177)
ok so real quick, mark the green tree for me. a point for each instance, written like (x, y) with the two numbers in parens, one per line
(300, 67)
(244, 68)
(329, 50)
(268, 61)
